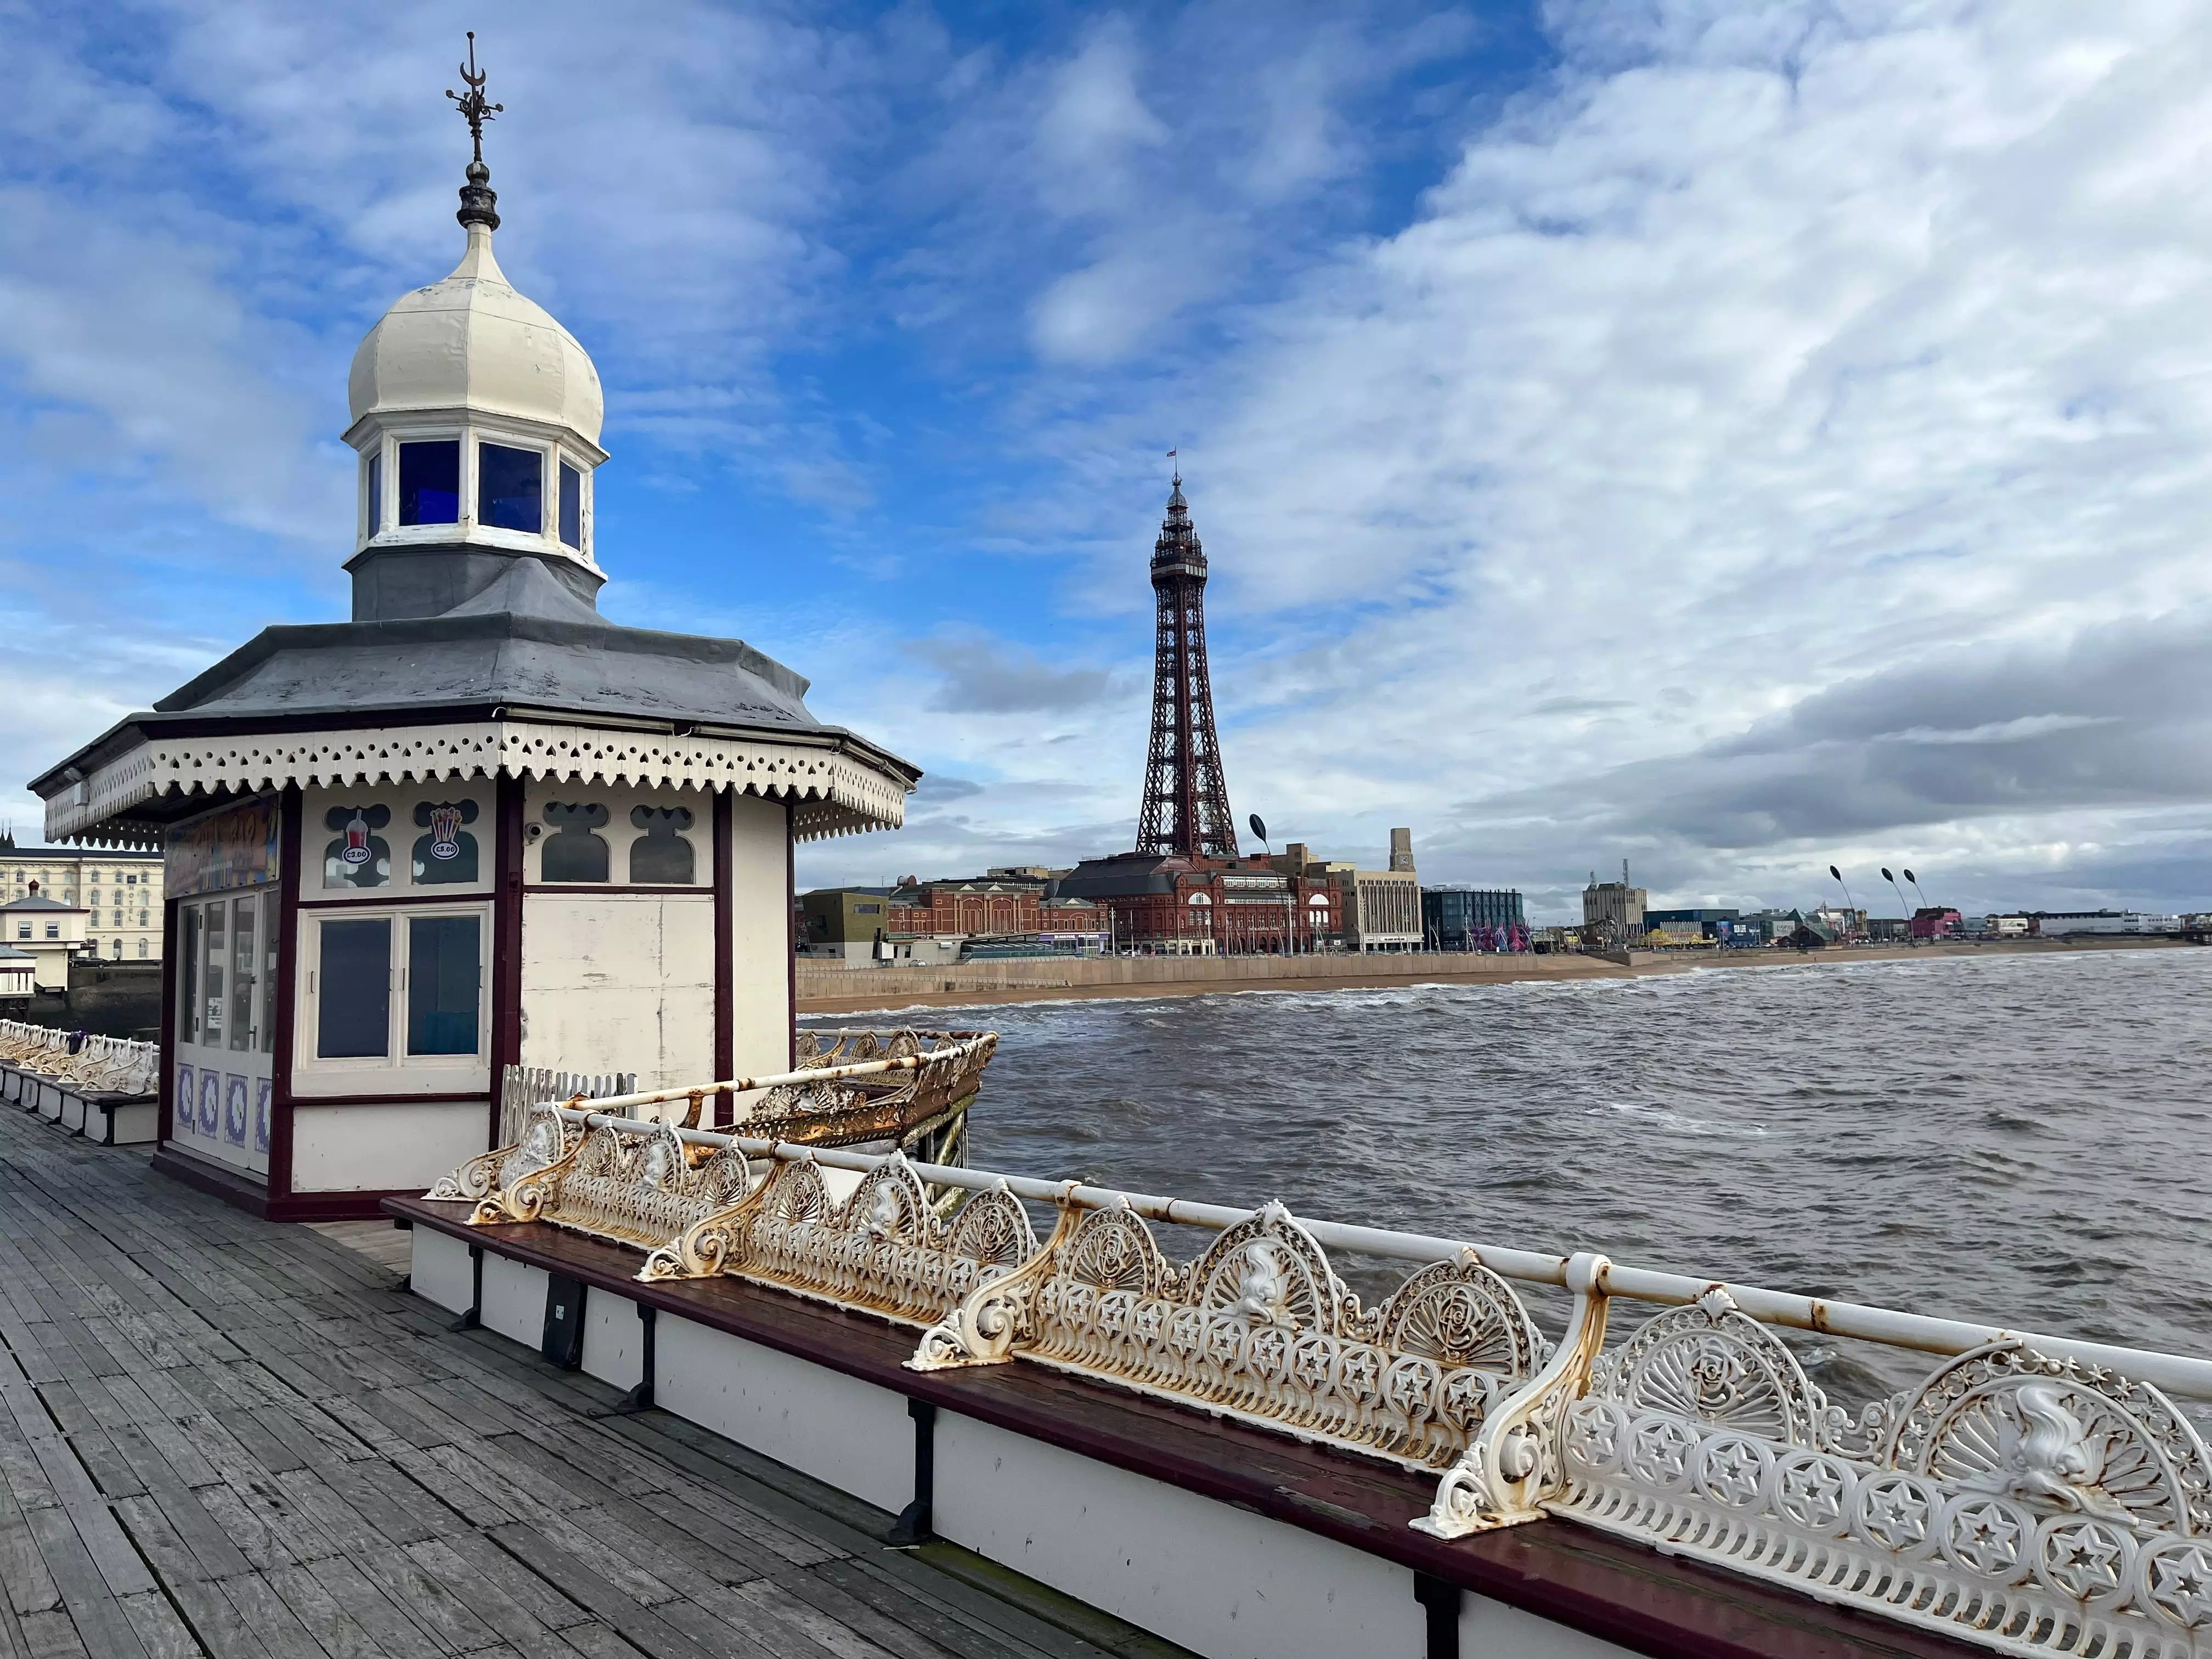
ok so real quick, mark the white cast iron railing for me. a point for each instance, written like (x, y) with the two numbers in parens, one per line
(2036, 1494)
(112, 1064)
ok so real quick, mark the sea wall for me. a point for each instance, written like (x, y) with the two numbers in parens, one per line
(827, 987)
(822, 986)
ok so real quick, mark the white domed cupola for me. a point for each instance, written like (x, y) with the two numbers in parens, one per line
(477, 418)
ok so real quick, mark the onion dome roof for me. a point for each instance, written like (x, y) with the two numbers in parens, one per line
(472, 342)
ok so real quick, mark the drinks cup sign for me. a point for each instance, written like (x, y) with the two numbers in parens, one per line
(445, 832)
(355, 850)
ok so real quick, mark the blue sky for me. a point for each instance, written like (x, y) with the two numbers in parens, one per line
(1737, 438)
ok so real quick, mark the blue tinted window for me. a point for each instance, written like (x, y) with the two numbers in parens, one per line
(354, 1016)
(376, 492)
(511, 488)
(571, 506)
(430, 483)
(444, 965)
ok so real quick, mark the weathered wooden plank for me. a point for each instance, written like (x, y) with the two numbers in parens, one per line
(334, 1630)
(308, 1462)
(517, 1627)
(51, 1635)
(636, 1623)
(790, 1624)
(404, 1580)
(160, 1632)
(260, 1524)
(87, 1594)
(155, 1535)
(275, 1626)
(519, 1580)
(717, 1634)
(83, 1516)
(24, 1582)
(894, 1584)
(173, 1444)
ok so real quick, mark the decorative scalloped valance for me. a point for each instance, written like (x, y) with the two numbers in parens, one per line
(834, 793)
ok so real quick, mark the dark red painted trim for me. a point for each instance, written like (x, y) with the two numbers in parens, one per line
(232, 1186)
(165, 1116)
(236, 1187)
(790, 930)
(1615, 1590)
(291, 813)
(725, 946)
(371, 897)
(507, 935)
(333, 1206)
(454, 1099)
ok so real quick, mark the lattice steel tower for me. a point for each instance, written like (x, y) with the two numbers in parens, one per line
(1186, 799)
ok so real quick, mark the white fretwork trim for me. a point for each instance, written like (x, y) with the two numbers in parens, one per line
(834, 794)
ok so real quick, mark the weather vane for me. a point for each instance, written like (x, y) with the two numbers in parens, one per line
(474, 109)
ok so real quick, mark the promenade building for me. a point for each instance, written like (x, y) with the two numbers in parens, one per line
(1201, 907)
(1613, 911)
(118, 888)
(1458, 917)
(931, 922)
(476, 826)
(2051, 924)
(48, 931)
(1687, 926)
(1374, 909)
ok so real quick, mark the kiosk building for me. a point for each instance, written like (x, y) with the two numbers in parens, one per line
(477, 824)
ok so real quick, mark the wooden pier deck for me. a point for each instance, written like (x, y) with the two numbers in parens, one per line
(222, 1435)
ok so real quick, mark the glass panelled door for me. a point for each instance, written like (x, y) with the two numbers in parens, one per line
(226, 1028)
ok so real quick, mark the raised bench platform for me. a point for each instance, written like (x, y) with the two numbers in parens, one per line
(1228, 1539)
(99, 1115)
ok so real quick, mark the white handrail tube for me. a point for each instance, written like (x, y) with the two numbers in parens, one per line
(2176, 1374)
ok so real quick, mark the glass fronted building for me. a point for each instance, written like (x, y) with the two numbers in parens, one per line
(1473, 918)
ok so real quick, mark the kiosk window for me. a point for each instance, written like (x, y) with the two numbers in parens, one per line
(354, 998)
(445, 970)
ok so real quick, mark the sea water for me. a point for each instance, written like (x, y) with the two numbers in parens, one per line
(2022, 1140)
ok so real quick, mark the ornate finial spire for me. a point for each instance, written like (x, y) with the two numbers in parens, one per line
(479, 203)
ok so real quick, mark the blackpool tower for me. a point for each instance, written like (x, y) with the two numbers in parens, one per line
(1186, 811)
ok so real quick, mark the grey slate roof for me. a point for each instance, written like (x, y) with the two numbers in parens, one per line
(524, 641)
(40, 902)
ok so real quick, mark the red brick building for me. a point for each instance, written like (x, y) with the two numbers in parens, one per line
(1184, 906)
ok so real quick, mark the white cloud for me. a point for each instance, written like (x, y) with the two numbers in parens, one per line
(1751, 355)
(1753, 366)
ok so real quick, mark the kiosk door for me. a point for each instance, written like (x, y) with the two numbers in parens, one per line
(226, 1028)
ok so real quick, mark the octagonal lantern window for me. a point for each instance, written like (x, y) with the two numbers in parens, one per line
(430, 481)
(511, 488)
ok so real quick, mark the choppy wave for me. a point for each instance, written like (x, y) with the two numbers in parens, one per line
(2017, 1138)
